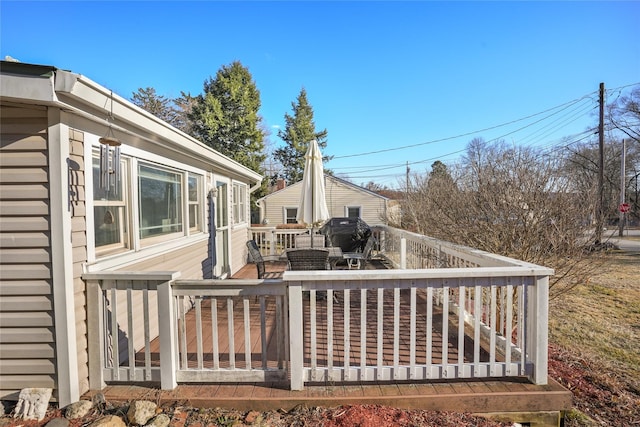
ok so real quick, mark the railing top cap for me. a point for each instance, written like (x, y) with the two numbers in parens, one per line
(410, 274)
(132, 275)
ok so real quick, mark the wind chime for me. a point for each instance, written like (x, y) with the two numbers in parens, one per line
(109, 163)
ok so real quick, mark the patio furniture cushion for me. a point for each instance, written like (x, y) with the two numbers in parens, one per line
(359, 259)
(256, 257)
(308, 259)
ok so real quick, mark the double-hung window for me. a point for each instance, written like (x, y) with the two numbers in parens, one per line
(195, 202)
(290, 215)
(239, 203)
(110, 212)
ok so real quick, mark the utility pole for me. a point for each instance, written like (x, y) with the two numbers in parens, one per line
(600, 209)
(622, 187)
(408, 177)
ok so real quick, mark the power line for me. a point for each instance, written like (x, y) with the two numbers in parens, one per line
(569, 117)
(565, 105)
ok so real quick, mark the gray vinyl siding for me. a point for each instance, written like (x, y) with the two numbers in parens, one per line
(187, 259)
(27, 348)
(340, 196)
(238, 250)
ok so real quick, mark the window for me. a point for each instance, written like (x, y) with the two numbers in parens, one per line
(239, 203)
(195, 204)
(170, 205)
(110, 212)
(160, 201)
(353, 211)
(290, 215)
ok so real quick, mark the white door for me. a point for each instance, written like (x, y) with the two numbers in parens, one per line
(222, 229)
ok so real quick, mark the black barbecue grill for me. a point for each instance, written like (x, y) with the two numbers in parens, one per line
(349, 234)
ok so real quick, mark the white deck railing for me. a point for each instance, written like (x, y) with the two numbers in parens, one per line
(392, 322)
(274, 241)
(463, 313)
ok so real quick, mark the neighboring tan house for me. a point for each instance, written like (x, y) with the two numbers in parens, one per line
(61, 217)
(344, 199)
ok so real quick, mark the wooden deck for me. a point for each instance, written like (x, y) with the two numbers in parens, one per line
(513, 395)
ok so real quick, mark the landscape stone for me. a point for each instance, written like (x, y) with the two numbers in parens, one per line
(58, 422)
(160, 420)
(108, 421)
(33, 403)
(141, 411)
(252, 417)
(78, 409)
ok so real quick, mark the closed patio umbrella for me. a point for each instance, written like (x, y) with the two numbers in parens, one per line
(312, 209)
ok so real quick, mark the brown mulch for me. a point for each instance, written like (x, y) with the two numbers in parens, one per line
(601, 397)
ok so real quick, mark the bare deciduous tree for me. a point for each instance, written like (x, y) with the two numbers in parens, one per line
(513, 201)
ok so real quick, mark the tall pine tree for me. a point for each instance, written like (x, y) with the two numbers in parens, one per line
(225, 116)
(299, 131)
(158, 105)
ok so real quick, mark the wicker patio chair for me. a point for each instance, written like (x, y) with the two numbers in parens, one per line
(308, 259)
(359, 259)
(256, 257)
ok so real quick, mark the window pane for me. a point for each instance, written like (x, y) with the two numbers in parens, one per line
(160, 201)
(291, 215)
(195, 207)
(113, 193)
(222, 218)
(193, 216)
(108, 221)
(193, 189)
(353, 212)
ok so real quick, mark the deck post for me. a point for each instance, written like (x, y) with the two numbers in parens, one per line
(167, 325)
(95, 332)
(537, 326)
(403, 253)
(296, 338)
(272, 243)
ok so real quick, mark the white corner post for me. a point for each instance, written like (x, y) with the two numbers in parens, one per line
(538, 329)
(68, 387)
(167, 325)
(403, 253)
(296, 335)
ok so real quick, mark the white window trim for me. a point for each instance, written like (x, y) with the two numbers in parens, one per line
(138, 252)
(202, 202)
(284, 213)
(244, 221)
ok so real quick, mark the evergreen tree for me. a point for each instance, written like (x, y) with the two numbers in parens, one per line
(225, 116)
(158, 105)
(184, 106)
(299, 131)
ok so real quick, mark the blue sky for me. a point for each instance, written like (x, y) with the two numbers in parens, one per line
(392, 82)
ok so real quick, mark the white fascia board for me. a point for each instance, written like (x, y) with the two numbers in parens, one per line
(81, 93)
(29, 89)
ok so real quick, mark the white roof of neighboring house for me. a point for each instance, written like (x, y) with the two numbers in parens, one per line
(77, 94)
